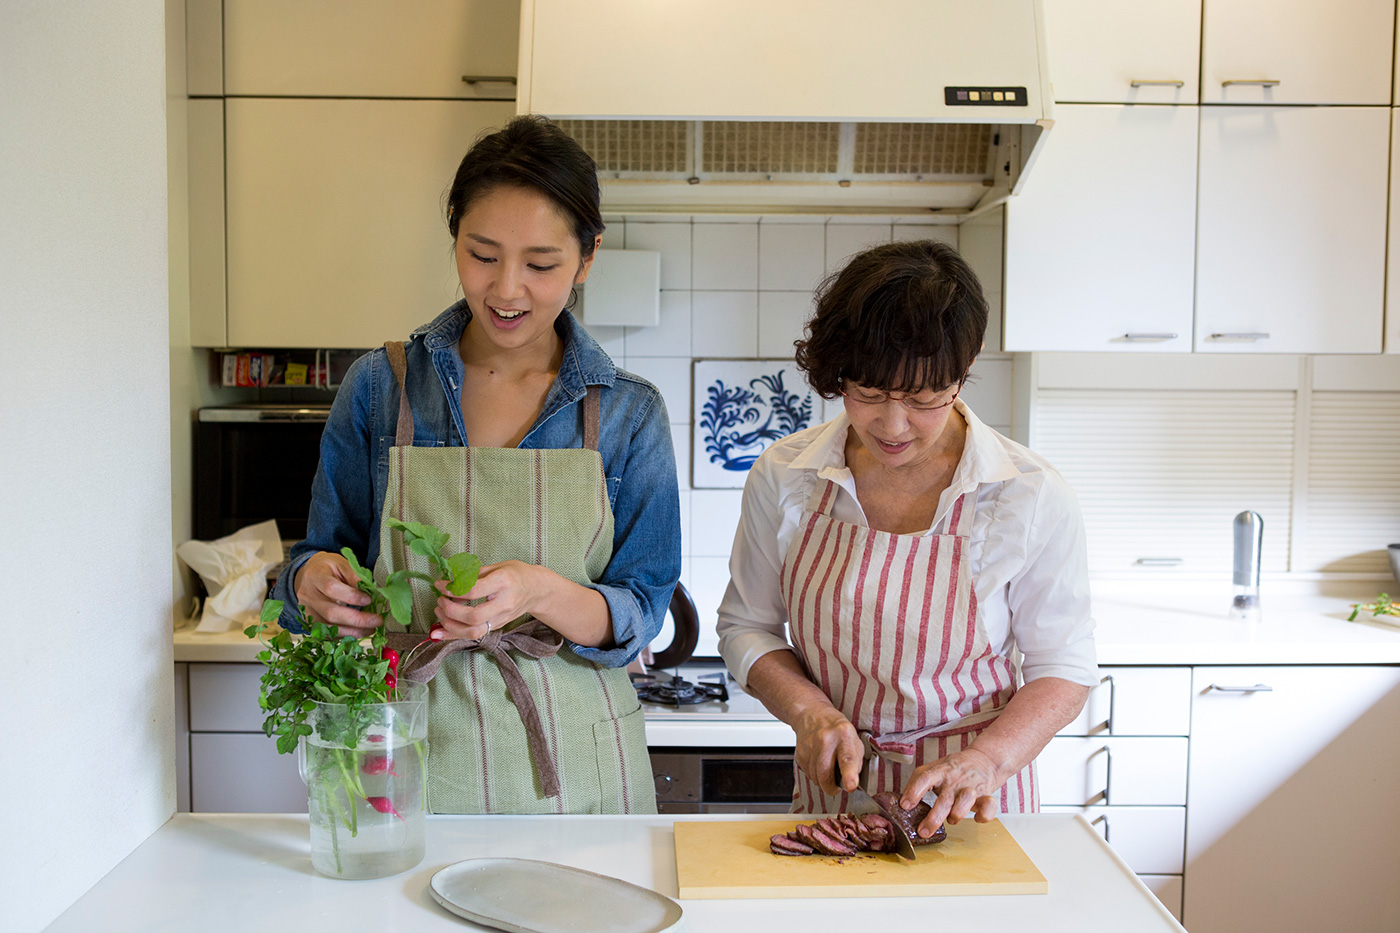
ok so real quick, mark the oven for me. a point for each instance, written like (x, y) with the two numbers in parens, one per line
(711, 780)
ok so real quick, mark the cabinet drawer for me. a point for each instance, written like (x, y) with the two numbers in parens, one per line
(1150, 839)
(1137, 701)
(1112, 771)
(241, 773)
(224, 698)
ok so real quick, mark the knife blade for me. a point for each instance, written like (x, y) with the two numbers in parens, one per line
(861, 798)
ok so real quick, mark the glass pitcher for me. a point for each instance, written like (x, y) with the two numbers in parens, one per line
(364, 770)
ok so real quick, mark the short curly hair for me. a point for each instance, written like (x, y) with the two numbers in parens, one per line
(901, 317)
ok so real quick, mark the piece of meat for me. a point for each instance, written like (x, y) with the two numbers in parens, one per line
(908, 820)
(784, 844)
(831, 843)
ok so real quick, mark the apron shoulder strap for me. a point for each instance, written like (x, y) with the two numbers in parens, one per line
(591, 408)
(960, 521)
(398, 362)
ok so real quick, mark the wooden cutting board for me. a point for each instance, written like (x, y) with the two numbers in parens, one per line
(731, 859)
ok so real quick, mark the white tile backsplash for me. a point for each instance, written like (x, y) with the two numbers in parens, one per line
(780, 319)
(844, 240)
(672, 241)
(943, 233)
(709, 577)
(988, 392)
(724, 324)
(725, 256)
(671, 375)
(671, 335)
(680, 442)
(714, 514)
(791, 257)
(613, 340)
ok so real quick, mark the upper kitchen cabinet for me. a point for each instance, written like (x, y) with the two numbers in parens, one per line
(370, 48)
(335, 232)
(1291, 228)
(1107, 51)
(1297, 52)
(1100, 243)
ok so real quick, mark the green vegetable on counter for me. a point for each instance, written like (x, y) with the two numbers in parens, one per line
(1381, 607)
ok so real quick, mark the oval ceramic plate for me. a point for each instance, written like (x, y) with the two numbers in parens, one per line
(526, 896)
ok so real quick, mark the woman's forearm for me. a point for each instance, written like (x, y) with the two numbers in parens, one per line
(579, 613)
(1037, 711)
(781, 685)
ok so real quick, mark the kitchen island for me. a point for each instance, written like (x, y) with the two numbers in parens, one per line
(241, 872)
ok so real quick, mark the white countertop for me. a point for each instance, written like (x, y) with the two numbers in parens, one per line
(1138, 623)
(219, 872)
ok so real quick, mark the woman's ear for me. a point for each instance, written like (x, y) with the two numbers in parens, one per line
(587, 263)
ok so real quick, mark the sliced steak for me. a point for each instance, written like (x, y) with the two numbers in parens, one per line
(783, 844)
(908, 820)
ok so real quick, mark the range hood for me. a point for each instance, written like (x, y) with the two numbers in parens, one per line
(758, 106)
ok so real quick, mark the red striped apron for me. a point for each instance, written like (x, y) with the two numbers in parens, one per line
(887, 625)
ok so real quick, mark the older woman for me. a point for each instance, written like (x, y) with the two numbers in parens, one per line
(897, 571)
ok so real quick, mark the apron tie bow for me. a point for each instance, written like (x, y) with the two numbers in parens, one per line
(533, 639)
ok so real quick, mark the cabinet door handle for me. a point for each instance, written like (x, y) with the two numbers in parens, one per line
(1241, 335)
(1141, 83)
(488, 79)
(1103, 795)
(1101, 818)
(1149, 336)
(1160, 561)
(1258, 82)
(1107, 724)
(1257, 688)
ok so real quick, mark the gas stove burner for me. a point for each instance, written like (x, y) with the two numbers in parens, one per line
(676, 691)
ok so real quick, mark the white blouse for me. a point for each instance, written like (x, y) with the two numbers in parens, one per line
(1027, 549)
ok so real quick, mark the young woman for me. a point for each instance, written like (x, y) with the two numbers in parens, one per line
(890, 564)
(503, 423)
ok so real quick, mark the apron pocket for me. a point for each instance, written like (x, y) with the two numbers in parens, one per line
(624, 768)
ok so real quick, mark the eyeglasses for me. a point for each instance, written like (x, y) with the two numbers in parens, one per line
(868, 397)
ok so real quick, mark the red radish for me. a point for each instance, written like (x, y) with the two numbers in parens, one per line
(378, 764)
(390, 681)
(383, 805)
(392, 656)
(437, 632)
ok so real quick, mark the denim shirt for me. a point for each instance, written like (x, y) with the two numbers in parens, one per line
(634, 441)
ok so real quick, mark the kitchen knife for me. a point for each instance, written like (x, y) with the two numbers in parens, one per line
(864, 803)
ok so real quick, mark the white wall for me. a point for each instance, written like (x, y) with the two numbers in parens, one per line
(741, 288)
(85, 477)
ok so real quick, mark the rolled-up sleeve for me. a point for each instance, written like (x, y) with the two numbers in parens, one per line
(646, 561)
(1049, 598)
(752, 617)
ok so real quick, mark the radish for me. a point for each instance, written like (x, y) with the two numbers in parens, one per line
(378, 764)
(383, 805)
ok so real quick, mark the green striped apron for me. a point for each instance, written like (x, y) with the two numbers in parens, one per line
(545, 507)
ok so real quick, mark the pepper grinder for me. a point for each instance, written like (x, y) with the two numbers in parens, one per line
(1249, 537)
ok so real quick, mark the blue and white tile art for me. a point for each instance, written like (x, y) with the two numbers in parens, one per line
(741, 407)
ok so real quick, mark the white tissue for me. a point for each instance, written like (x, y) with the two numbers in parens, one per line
(234, 570)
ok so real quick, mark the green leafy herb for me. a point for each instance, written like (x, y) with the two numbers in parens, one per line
(459, 571)
(1381, 607)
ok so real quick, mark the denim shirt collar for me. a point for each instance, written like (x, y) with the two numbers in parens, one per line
(585, 363)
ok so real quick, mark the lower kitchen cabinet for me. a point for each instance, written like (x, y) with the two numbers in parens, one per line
(1293, 816)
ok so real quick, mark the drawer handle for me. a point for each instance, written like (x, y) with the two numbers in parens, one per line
(488, 79)
(1241, 335)
(1159, 561)
(1257, 82)
(1257, 688)
(1102, 796)
(1150, 336)
(1101, 818)
(1142, 83)
(1107, 724)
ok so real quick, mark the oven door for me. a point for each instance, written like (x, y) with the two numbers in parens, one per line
(708, 780)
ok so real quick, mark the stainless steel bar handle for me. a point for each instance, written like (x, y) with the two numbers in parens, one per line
(1102, 796)
(488, 79)
(1141, 83)
(1241, 335)
(1148, 336)
(1107, 724)
(1159, 561)
(1259, 82)
(1102, 818)
(1257, 688)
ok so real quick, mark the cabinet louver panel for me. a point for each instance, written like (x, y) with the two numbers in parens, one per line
(1162, 474)
(1353, 489)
